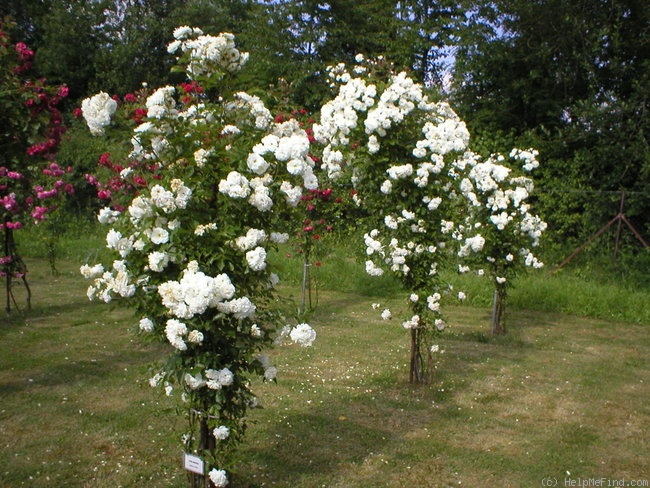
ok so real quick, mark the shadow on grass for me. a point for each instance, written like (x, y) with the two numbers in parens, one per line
(64, 373)
(317, 442)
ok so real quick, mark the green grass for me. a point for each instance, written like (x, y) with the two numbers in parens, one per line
(592, 285)
(560, 393)
(596, 287)
(565, 292)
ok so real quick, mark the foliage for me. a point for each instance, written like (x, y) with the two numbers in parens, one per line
(70, 37)
(320, 210)
(318, 214)
(411, 35)
(572, 79)
(119, 44)
(26, 19)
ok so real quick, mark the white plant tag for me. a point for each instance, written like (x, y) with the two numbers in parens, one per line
(193, 463)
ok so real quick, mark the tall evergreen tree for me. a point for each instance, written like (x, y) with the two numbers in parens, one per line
(27, 16)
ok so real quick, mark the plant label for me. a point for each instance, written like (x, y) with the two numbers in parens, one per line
(193, 463)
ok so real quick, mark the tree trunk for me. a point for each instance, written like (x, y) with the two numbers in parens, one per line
(306, 286)
(498, 312)
(14, 267)
(420, 367)
(206, 443)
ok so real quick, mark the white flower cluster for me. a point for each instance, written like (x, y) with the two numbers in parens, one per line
(201, 229)
(215, 379)
(412, 323)
(472, 244)
(218, 477)
(146, 324)
(406, 241)
(446, 133)
(218, 378)
(531, 225)
(221, 433)
(117, 281)
(443, 130)
(201, 156)
(339, 116)
(393, 255)
(195, 292)
(175, 330)
(303, 334)
(395, 103)
(207, 53)
(256, 258)
(530, 259)
(491, 189)
(253, 107)
(107, 215)
(433, 302)
(162, 104)
(239, 308)
(288, 145)
(253, 238)
(147, 214)
(91, 271)
(527, 157)
(158, 261)
(236, 185)
(167, 201)
(97, 111)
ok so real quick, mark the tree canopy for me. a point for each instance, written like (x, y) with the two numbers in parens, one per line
(569, 78)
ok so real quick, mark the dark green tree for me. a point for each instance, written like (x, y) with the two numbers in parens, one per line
(26, 17)
(411, 35)
(571, 78)
(139, 31)
(70, 37)
(427, 30)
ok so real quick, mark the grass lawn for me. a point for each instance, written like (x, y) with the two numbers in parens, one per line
(560, 396)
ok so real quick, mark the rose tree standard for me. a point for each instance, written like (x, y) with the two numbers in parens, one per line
(191, 245)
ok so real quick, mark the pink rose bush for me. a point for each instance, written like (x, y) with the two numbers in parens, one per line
(32, 184)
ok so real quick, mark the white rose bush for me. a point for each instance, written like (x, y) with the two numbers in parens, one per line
(206, 178)
(500, 228)
(427, 195)
(400, 151)
(212, 183)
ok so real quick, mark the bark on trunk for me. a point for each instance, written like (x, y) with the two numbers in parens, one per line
(12, 268)
(498, 312)
(420, 367)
